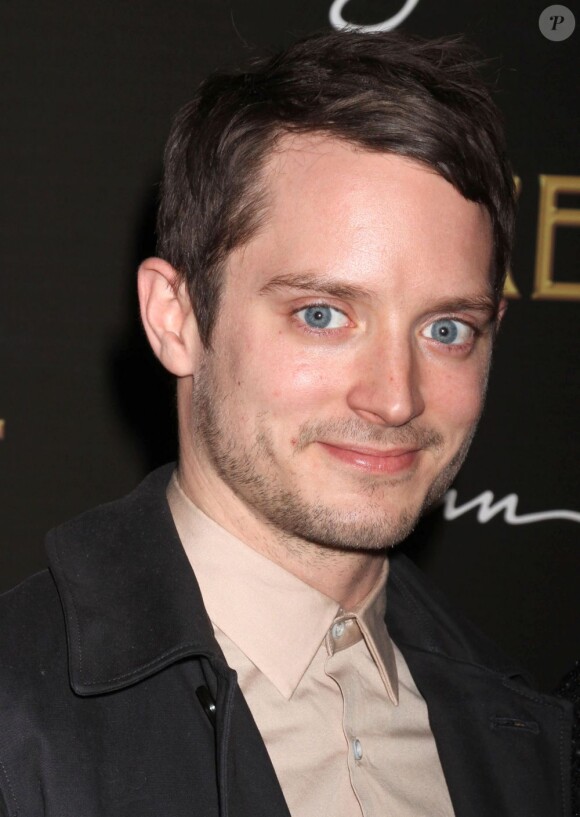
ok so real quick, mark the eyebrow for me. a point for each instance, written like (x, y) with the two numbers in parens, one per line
(310, 282)
(486, 304)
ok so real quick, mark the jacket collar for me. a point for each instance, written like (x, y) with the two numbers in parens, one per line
(131, 602)
(132, 607)
(421, 618)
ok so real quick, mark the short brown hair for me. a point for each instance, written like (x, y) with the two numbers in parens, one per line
(386, 92)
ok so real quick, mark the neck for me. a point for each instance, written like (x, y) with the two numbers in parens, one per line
(346, 576)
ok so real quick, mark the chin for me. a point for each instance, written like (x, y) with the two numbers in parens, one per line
(332, 527)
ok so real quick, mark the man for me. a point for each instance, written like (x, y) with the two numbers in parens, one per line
(334, 233)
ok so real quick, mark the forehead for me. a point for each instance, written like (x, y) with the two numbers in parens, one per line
(338, 209)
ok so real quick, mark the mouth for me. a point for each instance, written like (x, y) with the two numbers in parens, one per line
(372, 460)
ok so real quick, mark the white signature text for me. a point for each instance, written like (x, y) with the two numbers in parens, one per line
(487, 509)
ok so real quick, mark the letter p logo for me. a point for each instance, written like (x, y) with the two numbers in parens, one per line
(557, 23)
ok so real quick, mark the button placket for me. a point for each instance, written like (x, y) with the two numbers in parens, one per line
(357, 750)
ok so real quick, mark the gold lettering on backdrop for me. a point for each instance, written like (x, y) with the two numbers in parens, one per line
(510, 290)
(550, 216)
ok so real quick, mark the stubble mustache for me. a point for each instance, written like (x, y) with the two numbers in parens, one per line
(353, 431)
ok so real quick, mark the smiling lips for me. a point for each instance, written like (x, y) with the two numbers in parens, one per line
(372, 460)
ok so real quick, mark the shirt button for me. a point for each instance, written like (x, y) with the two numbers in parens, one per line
(338, 629)
(357, 749)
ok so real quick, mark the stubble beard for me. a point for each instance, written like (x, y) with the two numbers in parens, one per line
(252, 475)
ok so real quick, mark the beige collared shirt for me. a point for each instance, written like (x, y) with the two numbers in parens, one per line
(345, 726)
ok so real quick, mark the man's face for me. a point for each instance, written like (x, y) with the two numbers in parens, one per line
(351, 349)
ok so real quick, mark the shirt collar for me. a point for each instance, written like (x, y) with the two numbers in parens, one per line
(367, 621)
(274, 618)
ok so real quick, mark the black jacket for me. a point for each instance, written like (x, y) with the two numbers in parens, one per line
(108, 666)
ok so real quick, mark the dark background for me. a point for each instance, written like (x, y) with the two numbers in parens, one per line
(87, 95)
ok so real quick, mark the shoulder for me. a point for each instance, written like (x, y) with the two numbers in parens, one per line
(33, 672)
(420, 615)
(32, 619)
(29, 612)
(32, 633)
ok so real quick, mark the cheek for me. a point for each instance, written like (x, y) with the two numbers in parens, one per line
(291, 384)
(456, 397)
(282, 377)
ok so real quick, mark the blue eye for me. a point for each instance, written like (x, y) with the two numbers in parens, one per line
(323, 317)
(449, 331)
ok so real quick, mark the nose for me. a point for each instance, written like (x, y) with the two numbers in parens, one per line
(386, 385)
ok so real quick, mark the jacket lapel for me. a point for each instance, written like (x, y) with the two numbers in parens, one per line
(491, 728)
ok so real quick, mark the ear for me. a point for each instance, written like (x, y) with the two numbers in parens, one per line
(500, 313)
(168, 317)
